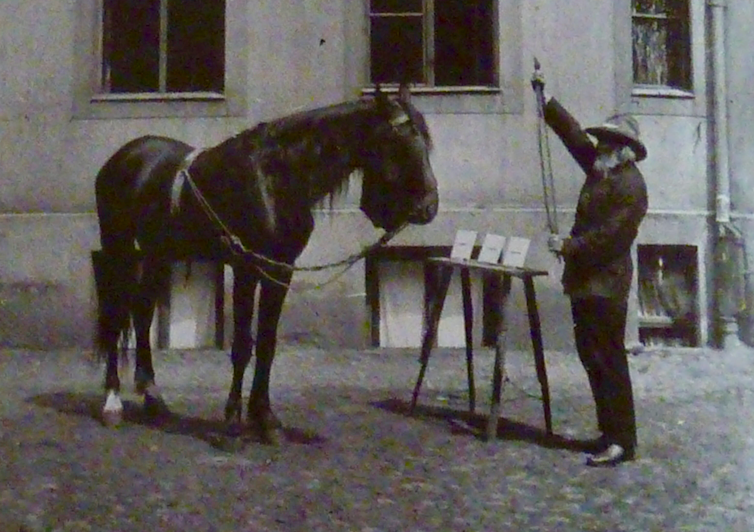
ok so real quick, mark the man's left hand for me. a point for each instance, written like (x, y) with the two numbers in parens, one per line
(555, 244)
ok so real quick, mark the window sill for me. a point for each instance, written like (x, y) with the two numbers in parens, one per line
(159, 97)
(643, 91)
(470, 89)
(456, 100)
(158, 105)
(657, 100)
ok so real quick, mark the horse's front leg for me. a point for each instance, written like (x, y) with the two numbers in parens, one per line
(244, 286)
(261, 419)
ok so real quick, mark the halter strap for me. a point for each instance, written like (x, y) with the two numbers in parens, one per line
(179, 181)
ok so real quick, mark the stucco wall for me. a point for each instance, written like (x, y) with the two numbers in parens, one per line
(300, 56)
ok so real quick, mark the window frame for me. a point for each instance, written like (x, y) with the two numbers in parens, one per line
(507, 97)
(670, 90)
(91, 103)
(429, 51)
(659, 100)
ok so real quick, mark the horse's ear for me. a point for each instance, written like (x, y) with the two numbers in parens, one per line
(404, 93)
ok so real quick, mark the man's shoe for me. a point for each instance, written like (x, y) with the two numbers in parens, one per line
(612, 456)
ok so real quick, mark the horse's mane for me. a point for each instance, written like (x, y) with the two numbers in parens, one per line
(319, 145)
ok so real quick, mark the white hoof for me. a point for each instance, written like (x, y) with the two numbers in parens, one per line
(112, 412)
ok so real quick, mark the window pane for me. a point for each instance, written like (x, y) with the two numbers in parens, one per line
(654, 7)
(464, 42)
(131, 45)
(650, 52)
(196, 45)
(679, 64)
(661, 43)
(396, 50)
(395, 6)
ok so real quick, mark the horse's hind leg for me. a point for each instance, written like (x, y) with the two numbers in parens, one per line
(155, 275)
(112, 411)
(113, 273)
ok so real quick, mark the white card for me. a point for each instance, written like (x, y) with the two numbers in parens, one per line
(463, 245)
(515, 252)
(492, 248)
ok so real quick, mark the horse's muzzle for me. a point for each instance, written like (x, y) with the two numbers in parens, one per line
(426, 211)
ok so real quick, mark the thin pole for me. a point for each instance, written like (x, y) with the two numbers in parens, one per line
(545, 162)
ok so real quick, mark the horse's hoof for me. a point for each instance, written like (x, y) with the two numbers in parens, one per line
(154, 404)
(112, 412)
(112, 419)
(155, 407)
(267, 431)
(229, 443)
(274, 421)
(264, 417)
(267, 436)
(264, 425)
(272, 436)
(232, 414)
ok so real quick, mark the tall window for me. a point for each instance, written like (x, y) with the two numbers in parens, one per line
(163, 46)
(662, 43)
(435, 43)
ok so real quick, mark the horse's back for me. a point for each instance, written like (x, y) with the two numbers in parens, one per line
(137, 158)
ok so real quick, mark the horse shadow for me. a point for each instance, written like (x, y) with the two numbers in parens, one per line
(211, 431)
(463, 422)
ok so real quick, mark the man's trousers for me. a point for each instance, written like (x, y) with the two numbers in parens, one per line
(599, 329)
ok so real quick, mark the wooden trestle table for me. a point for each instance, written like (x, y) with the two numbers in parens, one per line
(446, 267)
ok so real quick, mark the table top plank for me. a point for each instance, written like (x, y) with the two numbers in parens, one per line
(486, 266)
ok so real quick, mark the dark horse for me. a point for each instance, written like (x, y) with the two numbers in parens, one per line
(248, 202)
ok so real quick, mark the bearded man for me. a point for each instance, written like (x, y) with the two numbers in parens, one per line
(598, 267)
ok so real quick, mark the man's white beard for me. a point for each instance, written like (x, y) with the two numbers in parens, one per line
(605, 162)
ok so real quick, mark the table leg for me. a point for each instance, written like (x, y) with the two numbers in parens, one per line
(498, 371)
(539, 356)
(436, 302)
(468, 324)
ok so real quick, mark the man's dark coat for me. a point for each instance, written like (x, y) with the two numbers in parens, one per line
(598, 253)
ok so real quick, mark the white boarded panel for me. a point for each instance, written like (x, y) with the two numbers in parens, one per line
(153, 333)
(401, 303)
(451, 333)
(402, 306)
(192, 306)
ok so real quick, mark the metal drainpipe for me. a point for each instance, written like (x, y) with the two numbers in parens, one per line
(722, 269)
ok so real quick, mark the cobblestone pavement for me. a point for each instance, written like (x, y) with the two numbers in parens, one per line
(352, 458)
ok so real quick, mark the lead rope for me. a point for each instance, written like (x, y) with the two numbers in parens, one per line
(239, 249)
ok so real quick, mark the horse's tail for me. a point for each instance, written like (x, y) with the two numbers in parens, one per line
(116, 265)
(115, 276)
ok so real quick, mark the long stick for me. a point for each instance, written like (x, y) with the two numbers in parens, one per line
(548, 185)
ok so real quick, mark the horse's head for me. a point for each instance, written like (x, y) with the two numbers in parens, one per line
(399, 185)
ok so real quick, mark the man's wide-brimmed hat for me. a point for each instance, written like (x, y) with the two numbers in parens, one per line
(622, 128)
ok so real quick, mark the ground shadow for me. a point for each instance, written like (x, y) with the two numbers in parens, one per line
(211, 431)
(475, 424)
